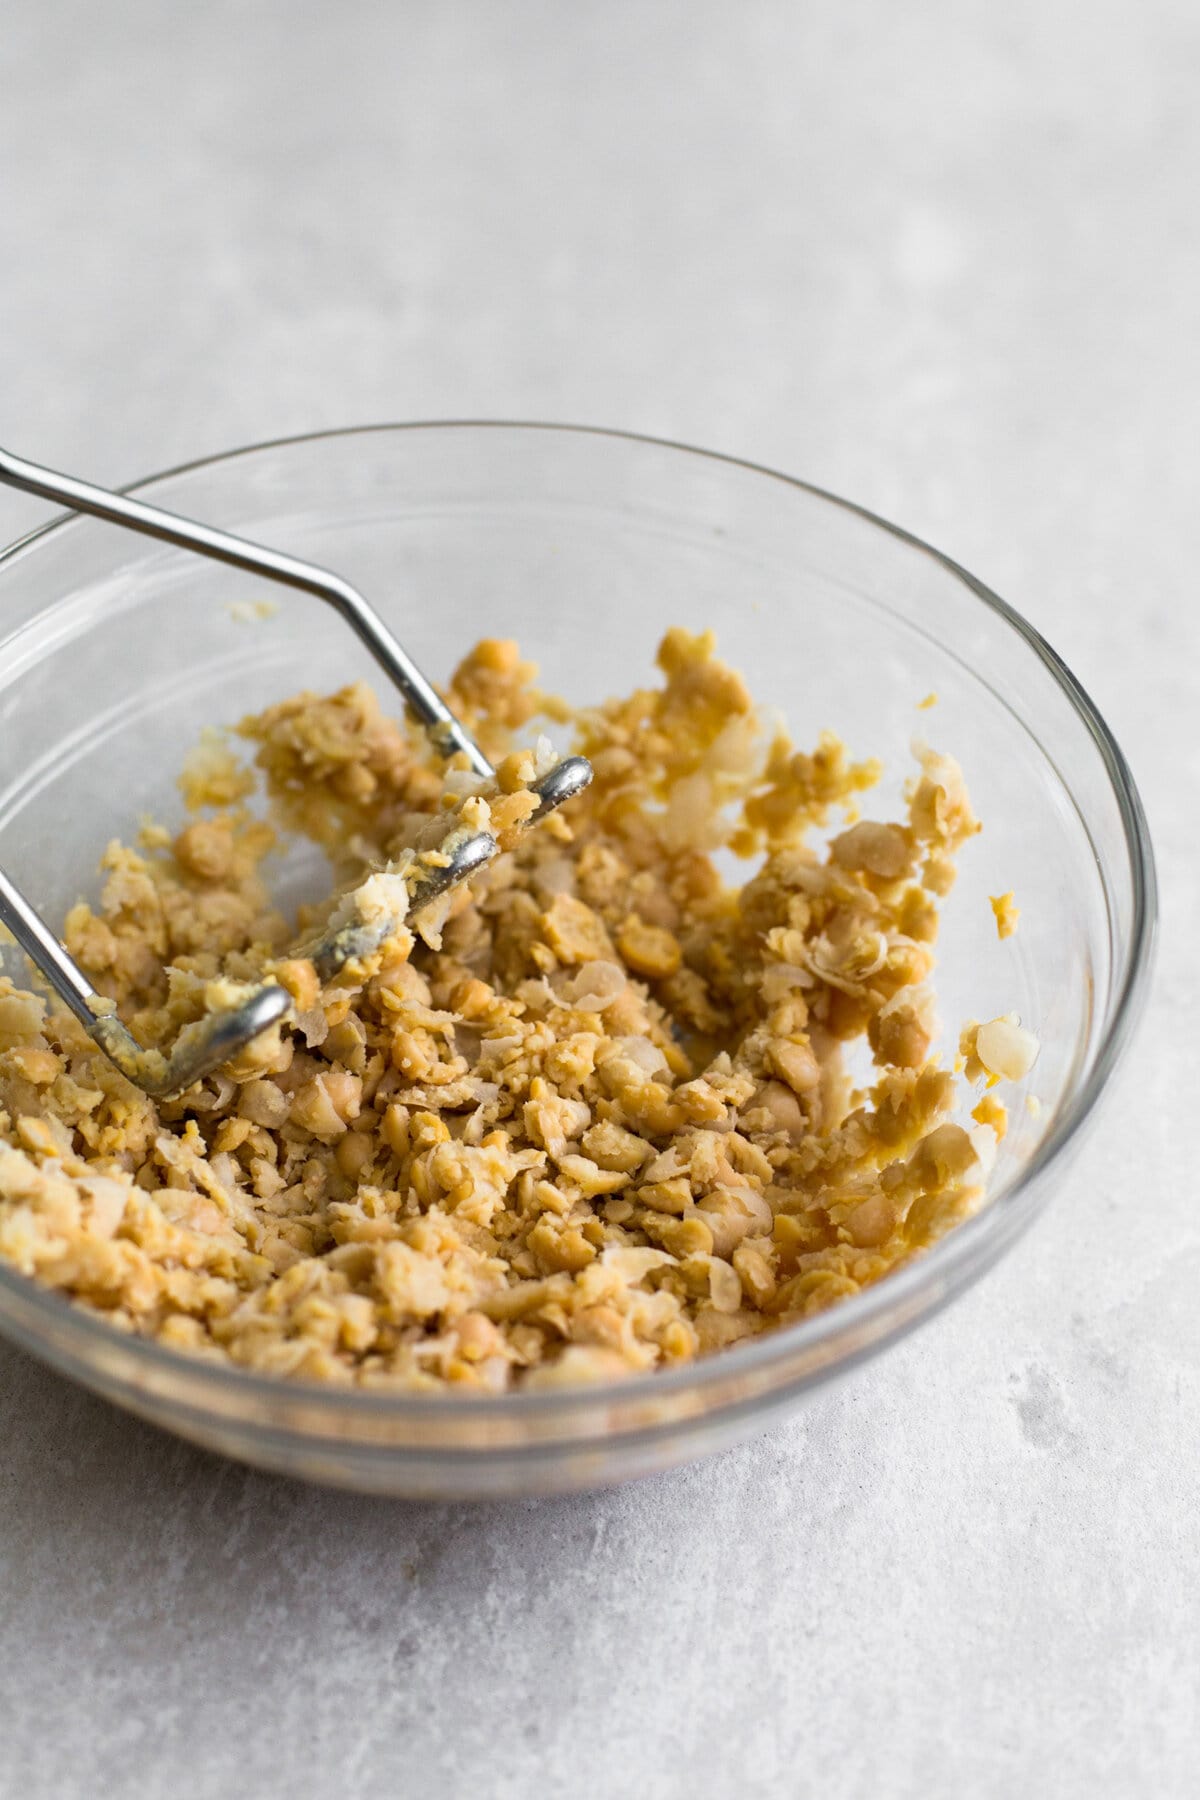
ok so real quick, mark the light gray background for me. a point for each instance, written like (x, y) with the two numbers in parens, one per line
(941, 257)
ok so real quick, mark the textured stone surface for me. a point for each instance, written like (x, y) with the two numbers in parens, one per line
(943, 258)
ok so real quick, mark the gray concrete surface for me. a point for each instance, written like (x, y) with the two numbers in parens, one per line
(943, 258)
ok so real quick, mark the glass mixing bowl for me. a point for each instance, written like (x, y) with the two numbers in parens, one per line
(584, 545)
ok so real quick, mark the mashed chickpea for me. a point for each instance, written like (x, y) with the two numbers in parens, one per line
(595, 1119)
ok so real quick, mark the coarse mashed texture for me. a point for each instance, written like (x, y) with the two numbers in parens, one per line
(597, 1118)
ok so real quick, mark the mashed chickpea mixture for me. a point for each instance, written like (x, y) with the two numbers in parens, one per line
(592, 1115)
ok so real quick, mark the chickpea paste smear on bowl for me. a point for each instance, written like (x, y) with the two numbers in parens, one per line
(590, 1115)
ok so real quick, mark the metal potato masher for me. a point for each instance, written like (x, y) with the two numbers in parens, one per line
(202, 1047)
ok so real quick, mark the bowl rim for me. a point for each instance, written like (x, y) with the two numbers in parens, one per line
(937, 1276)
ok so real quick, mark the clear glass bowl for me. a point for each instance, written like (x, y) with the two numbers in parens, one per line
(585, 545)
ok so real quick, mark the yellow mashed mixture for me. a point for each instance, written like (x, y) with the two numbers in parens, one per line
(592, 1117)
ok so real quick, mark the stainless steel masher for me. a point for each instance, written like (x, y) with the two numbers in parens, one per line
(202, 1047)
